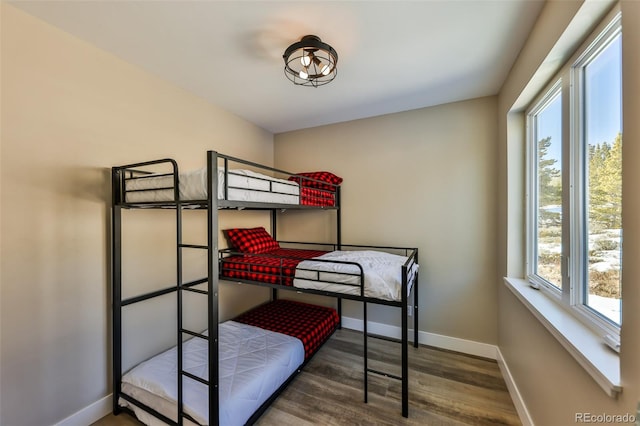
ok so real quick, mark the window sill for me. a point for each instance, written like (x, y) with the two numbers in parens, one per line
(602, 363)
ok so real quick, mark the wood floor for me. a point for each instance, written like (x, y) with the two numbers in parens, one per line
(445, 388)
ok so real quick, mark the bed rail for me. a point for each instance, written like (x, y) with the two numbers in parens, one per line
(151, 184)
(278, 271)
(138, 171)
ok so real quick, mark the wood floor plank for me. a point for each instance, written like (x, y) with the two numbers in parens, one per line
(445, 388)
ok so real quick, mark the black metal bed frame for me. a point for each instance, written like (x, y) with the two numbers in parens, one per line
(212, 204)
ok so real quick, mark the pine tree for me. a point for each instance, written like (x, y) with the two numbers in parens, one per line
(549, 183)
(605, 184)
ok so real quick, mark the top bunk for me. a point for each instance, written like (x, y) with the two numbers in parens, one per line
(239, 184)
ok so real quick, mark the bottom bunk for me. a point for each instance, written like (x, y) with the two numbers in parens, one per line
(259, 351)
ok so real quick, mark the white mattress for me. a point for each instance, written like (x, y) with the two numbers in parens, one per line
(382, 274)
(253, 365)
(244, 185)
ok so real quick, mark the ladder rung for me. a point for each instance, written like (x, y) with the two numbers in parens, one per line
(198, 246)
(194, 334)
(385, 338)
(194, 377)
(382, 373)
(195, 290)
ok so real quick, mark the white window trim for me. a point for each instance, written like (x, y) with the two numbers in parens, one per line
(585, 346)
(532, 189)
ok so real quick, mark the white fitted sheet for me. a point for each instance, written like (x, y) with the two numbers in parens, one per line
(244, 185)
(253, 364)
(382, 274)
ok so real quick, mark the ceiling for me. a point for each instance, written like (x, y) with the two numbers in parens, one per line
(393, 55)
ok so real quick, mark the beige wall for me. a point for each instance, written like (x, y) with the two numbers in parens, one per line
(552, 384)
(69, 112)
(430, 178)
(423, 178)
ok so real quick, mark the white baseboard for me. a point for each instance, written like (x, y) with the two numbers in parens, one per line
(89, 414)
(454, 344)
(521, 408)
(431, 339)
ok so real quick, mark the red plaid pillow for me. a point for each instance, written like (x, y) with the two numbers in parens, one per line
(252, 240)
(327, 177)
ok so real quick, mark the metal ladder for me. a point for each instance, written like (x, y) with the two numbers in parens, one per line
(211, 292)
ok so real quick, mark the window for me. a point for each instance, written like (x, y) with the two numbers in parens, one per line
(599, 108)
(546, 152)
(574, 189)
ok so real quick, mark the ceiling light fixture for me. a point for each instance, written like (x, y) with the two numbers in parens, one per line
(310, 62)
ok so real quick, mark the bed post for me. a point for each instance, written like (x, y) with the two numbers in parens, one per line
(274, 234)
(213, 270)
(176, 197)
(339, 244)
(415, 305)
(405, 343)
(274, 225)
(338, 220)
(116, 286)
(366, 352)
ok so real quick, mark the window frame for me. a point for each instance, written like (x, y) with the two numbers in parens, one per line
(568, 83)
(611, 30)
(539, 104)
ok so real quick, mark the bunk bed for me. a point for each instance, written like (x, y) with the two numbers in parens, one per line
(196, 390)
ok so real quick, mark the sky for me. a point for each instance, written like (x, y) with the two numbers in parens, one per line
(604, 95)
(549, 123)
(603, 98)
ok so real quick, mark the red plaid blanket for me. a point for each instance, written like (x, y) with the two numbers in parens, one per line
(275, 267)
(317, 197)
(310, 323)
